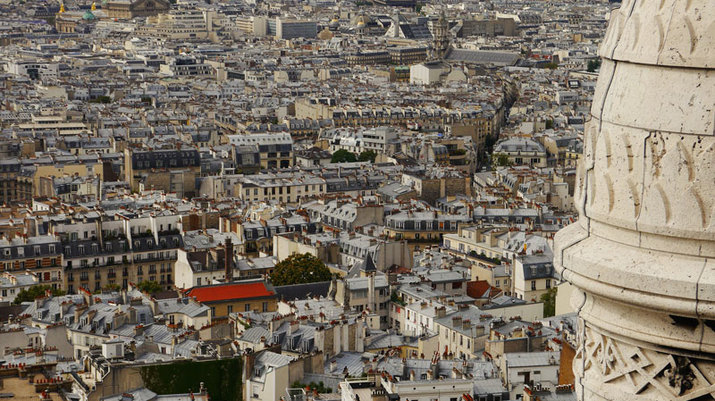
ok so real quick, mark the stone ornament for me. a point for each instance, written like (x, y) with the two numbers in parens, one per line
(642, 255)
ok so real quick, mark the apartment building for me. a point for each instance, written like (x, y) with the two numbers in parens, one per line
(275, 149)
(288, 187)
(115, 253)
(370, 293)
(39, 255)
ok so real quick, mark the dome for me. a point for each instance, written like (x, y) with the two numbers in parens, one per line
(88, 16)
(104, 2)
(361, 20)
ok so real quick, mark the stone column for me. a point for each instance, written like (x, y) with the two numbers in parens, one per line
(642, 255)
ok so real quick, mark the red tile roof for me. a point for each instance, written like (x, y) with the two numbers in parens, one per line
(225, 292)
(481, 289)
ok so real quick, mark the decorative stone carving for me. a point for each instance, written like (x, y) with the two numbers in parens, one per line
(642, 255)
(610, 366)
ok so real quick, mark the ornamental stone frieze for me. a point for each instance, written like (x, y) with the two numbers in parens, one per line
(642, 255)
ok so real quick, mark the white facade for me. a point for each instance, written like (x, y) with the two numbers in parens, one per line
(429, 390)
(425, 73)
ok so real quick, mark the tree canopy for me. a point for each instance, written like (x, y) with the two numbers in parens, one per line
(367, 156)
(593, 65)
(501, 160)
(549, 300)
(150, 287)
(343, 156)
(37, 291)
(300, 269)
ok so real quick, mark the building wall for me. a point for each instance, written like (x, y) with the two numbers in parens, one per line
(222, 309)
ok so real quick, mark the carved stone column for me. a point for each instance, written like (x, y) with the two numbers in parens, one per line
(642, 255)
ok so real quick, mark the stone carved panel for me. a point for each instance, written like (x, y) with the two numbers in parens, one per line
(637, 176)
(662, 32)
(614, 367)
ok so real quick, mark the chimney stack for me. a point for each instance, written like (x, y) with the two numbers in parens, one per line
(228, 260)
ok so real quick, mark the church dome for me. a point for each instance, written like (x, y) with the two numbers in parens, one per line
(361, 20)
(335, 22)
(89, 16)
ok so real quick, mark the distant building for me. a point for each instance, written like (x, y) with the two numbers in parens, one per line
(127, 9)
(522, 151)
(275, 150)
(292, 28)
(491, 27)
(168, 170)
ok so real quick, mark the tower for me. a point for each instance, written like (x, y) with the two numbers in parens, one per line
(440, 37)
(641, 258)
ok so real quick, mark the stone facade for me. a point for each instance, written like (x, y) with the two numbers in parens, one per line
(641, 255)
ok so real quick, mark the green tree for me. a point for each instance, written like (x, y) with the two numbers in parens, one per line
(549, 124)
(343, 156)
(367, 156)
(501, 160)
(102, 99)
(150, 287)
(549, 300)
(551, 66)
(109, 288)
(593, 65)
(34, 292)
(299, 269)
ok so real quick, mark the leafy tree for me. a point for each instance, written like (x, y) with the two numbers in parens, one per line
(150, 287)
(593, 65)
(367, 156)
(551, 66)
(35, 292)
(549, 124)
(501, 160)
(343, 156)
(109, 288)
(102, 99)
(549, 300)
(299, 269)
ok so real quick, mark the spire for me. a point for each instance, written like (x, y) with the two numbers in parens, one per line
(440, 36)
(62, 7)
(94, 6)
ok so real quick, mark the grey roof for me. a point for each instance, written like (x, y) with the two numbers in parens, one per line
(140, 394)
(303, 291)
(482, 57)
(528, 359)
(253, 334)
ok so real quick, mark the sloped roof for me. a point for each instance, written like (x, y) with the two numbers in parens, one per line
(225, 292)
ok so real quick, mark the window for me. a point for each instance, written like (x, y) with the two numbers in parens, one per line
(533, 285)
(213, 311)
(548, 283)
(265, 307)
(247, 307)
(230, 308)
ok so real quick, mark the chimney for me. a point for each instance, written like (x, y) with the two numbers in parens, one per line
(466, 324)
(456, 321)
(440, 311)
(228, 260)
